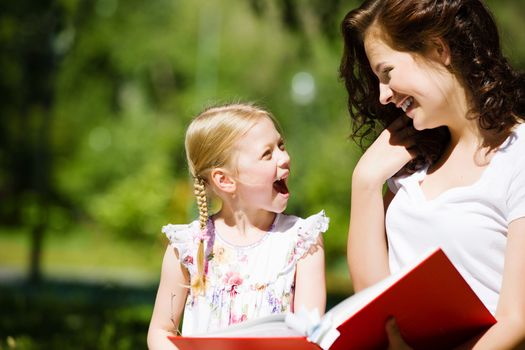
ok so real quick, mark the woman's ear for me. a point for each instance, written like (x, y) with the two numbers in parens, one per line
(222, 180)
(441, 50)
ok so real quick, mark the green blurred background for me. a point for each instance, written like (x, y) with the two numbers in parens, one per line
(96, 96)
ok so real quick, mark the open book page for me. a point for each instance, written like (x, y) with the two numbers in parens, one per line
(267, 326)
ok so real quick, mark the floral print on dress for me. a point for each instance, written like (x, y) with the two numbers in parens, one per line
(232, 280)
(244, 282)
(188, 260)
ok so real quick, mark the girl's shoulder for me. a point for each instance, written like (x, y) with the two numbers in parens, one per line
(183, 238)
(181, 233)
(315, 223)
(305, 231)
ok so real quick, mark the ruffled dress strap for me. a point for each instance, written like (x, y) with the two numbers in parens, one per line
(308, 231)
(184, 238)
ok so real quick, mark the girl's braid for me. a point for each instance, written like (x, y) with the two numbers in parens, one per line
(199, 281)
(202, 202)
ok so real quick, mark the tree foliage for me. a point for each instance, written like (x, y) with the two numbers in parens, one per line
(97, 95)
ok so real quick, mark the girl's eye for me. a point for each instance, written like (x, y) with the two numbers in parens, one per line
(267, 155)
(281, 146)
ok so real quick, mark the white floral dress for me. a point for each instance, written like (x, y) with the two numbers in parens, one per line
(244, 282)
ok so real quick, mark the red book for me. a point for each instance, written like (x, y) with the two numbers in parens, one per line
(434, 307)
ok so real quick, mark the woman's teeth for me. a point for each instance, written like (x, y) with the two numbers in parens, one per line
(407, 104)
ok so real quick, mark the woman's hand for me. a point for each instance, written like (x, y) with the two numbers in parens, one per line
(387, 155)
(395, 341)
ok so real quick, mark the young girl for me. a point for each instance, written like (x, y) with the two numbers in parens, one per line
(453, 151)
(248, 260)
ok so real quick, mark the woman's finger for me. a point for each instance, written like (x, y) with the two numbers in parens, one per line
(395, 340)
(399, 123)
(403, 136)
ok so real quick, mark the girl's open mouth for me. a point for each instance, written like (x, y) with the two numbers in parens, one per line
(280, 186)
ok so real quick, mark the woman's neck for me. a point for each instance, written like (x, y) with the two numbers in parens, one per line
(467, 145)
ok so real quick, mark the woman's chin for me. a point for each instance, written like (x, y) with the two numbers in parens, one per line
(418, 124)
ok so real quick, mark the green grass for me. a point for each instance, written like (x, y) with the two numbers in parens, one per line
(93, 256)
(86, 255)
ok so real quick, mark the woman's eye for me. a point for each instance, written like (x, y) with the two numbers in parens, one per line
(386, 73)
(282, 146)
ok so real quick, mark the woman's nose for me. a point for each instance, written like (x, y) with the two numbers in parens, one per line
(385, 94)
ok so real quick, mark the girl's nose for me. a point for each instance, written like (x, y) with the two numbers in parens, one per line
(385, 94)
(284, 160)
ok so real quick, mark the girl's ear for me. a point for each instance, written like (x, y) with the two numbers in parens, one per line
(223, 181)
(441, 51)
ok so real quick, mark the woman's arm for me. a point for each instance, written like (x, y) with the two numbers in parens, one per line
(169, 304)
(509, 331)
(367, 247)
(310, 285)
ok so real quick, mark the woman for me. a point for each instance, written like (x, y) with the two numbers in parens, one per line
(453, 151)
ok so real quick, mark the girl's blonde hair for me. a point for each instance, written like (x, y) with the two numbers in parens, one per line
(210, 141)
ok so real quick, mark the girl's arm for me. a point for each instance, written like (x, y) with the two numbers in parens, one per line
(310, 285)
(509, 331)
(169, 304)
(367, 247)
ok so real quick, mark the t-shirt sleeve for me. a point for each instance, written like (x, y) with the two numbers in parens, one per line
(308, 231)
(516, 194)
(393, 184)
(181, 238)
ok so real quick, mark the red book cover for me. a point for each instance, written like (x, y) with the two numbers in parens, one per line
(434, 307)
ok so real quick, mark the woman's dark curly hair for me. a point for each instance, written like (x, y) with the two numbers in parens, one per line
(496, 91)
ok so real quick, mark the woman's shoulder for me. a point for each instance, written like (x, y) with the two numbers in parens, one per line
(517, 134)
(514, 145)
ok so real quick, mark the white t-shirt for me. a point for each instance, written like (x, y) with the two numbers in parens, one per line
(469, 223)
